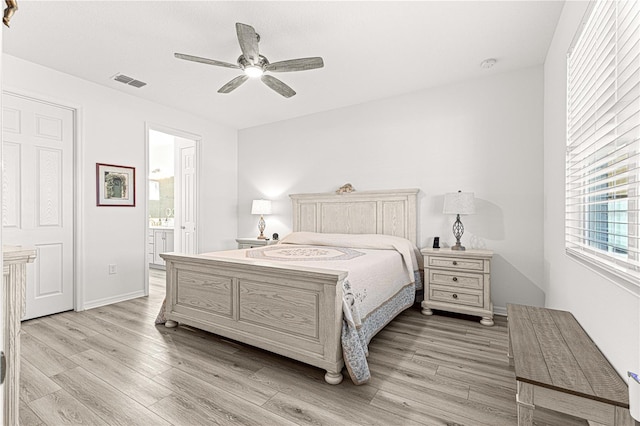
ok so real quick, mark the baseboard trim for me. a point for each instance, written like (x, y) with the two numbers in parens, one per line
(500, 310)
(111, 300)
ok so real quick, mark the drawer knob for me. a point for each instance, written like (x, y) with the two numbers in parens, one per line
(455, 279)
(455, 296)
(455, 263)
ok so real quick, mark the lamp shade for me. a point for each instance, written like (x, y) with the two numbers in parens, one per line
(261, 207)
(459, 203)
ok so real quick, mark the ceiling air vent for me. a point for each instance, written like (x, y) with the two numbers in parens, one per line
(128, 80)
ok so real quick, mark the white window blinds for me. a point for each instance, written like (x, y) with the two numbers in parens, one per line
(603, 140)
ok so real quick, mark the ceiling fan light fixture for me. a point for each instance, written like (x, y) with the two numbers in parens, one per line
(253, 71)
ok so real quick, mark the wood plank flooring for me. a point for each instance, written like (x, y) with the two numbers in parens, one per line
(113, 366)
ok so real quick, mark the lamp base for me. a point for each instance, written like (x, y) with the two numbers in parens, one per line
(458, 230)
(261, 226)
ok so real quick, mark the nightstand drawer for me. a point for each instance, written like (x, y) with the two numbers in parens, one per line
(456, 296)
(453, 263)
(456, 279)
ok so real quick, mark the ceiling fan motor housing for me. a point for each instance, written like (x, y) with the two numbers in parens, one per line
(262, 62)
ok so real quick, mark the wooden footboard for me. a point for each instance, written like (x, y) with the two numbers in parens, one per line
(292, 311)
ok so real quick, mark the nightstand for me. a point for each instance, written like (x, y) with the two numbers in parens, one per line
(245, 243)
(458, 281)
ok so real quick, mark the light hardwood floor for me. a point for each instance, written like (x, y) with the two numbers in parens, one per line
(113, 366)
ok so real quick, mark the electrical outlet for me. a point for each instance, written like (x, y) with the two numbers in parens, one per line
(113, 269)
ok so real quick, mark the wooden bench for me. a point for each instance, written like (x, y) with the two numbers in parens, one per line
(559, 367)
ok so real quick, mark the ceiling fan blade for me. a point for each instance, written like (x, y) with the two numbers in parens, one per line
(233, 84)
(205, 60)
(248, 40)
(278, 86)
(301, 64)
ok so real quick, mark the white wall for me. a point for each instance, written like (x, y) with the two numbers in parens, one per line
(483, 136)
(113, 132)
(606, 308)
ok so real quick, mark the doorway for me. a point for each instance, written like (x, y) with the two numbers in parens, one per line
(172, 178)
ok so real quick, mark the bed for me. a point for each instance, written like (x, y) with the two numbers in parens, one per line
(296, 298)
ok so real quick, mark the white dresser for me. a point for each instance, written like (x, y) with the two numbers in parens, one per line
(458, 281)
(15, 261)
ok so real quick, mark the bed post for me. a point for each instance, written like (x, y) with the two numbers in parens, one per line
(333, 345)
(170, 277)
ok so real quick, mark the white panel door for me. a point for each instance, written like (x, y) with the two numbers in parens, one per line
(38, 198)
(185, 196)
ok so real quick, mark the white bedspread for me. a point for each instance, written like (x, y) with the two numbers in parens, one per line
(409, 252)
(376, 277)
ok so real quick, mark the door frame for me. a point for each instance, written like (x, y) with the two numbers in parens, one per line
(77, 183)
(181, 134)
(3, 321)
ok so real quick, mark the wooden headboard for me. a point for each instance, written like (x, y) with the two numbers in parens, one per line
(390, 212)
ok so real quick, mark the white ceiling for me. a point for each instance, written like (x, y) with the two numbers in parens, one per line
(371, 50)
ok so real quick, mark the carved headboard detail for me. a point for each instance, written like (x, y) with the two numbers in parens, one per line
(389, 212)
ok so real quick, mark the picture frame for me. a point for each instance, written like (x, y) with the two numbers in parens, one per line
(115, 185)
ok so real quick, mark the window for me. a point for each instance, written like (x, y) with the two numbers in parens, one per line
(603, 140)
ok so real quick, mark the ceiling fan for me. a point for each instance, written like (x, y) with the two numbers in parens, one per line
(254, 65)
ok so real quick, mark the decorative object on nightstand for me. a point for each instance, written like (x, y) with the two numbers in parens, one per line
(261, 207)
(458, 281)
(459, 203)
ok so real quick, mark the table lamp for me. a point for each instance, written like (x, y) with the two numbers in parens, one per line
(261, 207)
(459, 203)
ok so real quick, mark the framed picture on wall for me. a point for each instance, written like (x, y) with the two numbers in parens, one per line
(115, 185)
